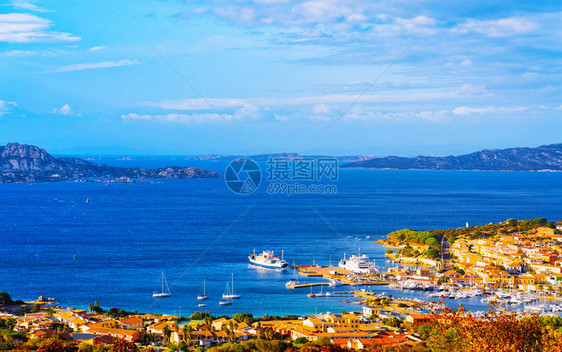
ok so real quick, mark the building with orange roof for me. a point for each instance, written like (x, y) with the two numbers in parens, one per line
(416, 319)
(131, 323)
(129, 335)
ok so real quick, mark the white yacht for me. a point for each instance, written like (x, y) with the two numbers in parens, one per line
(229, 294)
(163, 293)
(203, 296)
(294, 280)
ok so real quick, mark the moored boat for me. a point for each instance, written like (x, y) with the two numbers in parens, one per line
(268, 259)
(229, 294)
(162, 293)
(203, 296)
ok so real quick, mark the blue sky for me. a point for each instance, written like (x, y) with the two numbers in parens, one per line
(81, 76)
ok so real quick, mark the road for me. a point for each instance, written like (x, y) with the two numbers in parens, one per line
(446, 254)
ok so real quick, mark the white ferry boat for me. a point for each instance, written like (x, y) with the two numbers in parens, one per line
(268, 259)
(356, 263)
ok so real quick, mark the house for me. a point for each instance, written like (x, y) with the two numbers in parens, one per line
(418, 318)
(451, 273)
(43, 334)
(305, 332)
(546, 268)
(423, 273)
(369, 311)
(381, 340)
(103, 340)
(158, 328)
(82, 337)
(318, 325)
(131, 323)
(129, 335)
(554, 279)
(344, 319)
(218, 323)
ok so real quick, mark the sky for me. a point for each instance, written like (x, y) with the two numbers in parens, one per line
(338, 77)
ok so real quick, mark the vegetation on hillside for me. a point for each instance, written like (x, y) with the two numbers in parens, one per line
(509, 227)
(408, 238)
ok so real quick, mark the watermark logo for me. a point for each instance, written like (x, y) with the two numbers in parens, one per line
(242, 176)
(287, 176)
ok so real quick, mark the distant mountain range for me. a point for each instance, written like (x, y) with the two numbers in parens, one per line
(28, 163)
(543, 158)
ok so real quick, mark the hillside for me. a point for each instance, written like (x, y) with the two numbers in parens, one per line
(546, 157)
(28, 163)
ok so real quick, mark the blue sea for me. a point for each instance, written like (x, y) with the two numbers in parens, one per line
(114, 248)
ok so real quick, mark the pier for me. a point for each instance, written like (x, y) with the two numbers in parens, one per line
(310, 284)
(342, 276)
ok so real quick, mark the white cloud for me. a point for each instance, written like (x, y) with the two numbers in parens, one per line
(28, 5)
(18, 53)
(176, 118)
(497, 28)
(198, 103)
(5, 106)
(466, 110)
(65, 110)
(469, 89)
(247, 111)
(97, 48)
(95, 65)
(321, 109)
(23, 53)
(26, 28)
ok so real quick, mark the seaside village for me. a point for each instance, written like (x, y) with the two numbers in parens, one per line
(355, 331)
(523, 273)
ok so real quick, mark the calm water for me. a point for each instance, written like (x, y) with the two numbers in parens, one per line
(114, 248)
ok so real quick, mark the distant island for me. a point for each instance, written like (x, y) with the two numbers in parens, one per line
(20, 163)
(543, 158)
(288, 156)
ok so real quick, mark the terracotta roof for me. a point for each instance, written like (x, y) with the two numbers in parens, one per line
(131, 320)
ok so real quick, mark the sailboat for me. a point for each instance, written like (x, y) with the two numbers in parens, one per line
(163, 293)
(230, 294)
(204, 295)
(294, 280)
(226, 300)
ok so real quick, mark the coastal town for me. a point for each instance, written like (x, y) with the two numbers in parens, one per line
(92, 330)
(514, 267)
(522, 257)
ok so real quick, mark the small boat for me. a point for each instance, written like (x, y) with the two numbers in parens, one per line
(201, 305)
(204, 295)
(333, 283)
(310, 295)
(225, 303)
(294, 280)
(163, 293)
(229, 294)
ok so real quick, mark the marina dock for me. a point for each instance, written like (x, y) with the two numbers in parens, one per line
(310, 284)
(342, 276)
